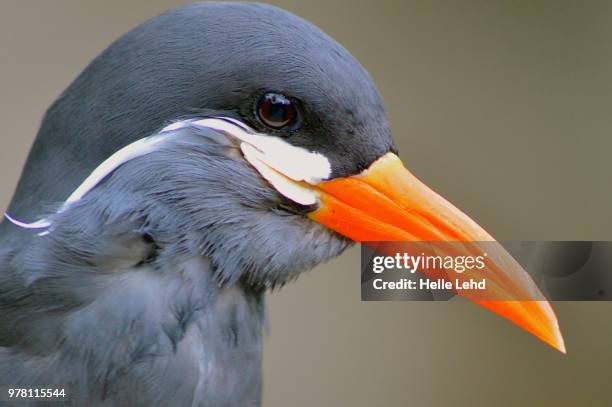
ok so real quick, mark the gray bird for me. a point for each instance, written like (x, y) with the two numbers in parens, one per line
(211, 153)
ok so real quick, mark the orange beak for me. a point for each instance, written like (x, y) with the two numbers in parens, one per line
(388, 203)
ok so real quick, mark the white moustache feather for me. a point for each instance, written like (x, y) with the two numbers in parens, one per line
(277, 161)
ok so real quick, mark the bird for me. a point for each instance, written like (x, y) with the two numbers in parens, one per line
(209, 155)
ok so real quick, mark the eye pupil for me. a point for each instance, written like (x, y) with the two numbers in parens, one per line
(276, 110)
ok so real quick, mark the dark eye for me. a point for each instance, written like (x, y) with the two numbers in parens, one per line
(276, 110)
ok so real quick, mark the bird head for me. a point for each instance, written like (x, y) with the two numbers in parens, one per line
(243, 133)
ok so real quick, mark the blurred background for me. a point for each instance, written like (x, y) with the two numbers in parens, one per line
(504, 107)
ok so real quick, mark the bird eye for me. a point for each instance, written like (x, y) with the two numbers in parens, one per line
(276, 110)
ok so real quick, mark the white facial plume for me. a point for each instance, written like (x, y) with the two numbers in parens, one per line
(283, 165)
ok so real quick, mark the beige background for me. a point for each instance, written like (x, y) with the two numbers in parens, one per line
(503, 107)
